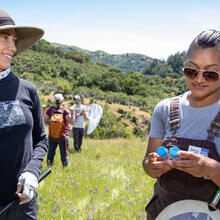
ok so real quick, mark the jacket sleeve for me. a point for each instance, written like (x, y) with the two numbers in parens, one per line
(40, 141)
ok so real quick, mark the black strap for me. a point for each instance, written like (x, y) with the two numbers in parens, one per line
(55, 110)
(6, 21)
(174, 115)
(214, 130)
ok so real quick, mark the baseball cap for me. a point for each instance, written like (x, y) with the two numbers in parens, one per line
(58, 97)
(76, 97)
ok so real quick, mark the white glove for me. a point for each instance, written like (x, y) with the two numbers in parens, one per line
(30, 183)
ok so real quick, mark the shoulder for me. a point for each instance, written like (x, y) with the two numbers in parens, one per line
(27, 87)
(27, 84)
(65, 111)
(83, 106)
(49, 110)
(166, 102)
(163, 107)
(73, 106)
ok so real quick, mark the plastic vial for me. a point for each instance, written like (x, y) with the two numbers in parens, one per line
(173, 152)
(162, 151)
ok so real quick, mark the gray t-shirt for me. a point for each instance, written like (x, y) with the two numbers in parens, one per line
(194, 123)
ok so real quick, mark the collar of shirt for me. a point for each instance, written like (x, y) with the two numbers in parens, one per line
(4, 73)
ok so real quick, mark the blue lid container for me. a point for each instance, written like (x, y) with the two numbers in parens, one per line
(173, 151)
(162, 151)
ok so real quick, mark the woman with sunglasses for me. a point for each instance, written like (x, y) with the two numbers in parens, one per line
(191, 122)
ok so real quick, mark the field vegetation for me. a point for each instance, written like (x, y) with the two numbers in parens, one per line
(105, 181)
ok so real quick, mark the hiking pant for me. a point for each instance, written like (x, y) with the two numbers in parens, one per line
(78, 134)
(63, 145)
(28, 211)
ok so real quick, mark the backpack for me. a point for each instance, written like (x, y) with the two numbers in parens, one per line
(57, 124)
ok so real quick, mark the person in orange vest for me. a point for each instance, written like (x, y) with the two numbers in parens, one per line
(59, 119)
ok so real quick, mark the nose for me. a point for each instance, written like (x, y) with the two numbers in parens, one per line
(199, 78)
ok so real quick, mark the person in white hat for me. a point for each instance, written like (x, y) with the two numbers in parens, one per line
(23, 142)
(78, 117)
(58, 134)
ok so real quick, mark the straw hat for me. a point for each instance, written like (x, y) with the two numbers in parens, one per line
(26, 36)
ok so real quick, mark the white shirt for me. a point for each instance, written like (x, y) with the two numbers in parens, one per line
(3, 74)
(79, 119)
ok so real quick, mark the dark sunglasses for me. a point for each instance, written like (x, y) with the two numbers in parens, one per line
(207, 75)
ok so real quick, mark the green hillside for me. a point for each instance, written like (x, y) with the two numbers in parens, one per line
(124, 62)
(53, 70)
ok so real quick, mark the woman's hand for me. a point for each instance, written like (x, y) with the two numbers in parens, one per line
(194, 164)
(155, 166)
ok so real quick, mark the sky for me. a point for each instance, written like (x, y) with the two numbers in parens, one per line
(156, 28)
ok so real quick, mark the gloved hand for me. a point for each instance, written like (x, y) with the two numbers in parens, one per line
(26, 187)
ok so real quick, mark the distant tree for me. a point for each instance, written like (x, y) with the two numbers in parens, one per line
(176, 61)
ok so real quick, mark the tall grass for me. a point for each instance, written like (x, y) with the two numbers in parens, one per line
(105, 181)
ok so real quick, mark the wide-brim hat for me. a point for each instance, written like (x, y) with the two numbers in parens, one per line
(26, 35)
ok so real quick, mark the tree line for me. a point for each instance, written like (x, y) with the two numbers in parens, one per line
(53, 69)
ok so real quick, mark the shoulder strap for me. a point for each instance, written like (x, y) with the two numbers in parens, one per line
(214, 130)
(61, 110)
(53, 110)
(174, 115)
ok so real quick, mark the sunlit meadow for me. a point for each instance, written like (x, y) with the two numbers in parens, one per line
(105, 181)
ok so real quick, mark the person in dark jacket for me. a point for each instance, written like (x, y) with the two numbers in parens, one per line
(191, 122)
(23, 142)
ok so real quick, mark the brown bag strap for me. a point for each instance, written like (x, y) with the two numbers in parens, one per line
(174, 115)
(214, 130)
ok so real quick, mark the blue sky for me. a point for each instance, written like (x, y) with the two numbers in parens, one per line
(156, 28)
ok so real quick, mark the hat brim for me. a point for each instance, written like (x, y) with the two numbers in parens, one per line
(26, 36)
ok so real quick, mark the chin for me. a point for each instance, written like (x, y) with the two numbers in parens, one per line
(203, 94)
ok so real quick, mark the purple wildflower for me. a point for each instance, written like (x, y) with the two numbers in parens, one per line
(41, 197)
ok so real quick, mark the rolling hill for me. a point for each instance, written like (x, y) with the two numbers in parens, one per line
(124, 62)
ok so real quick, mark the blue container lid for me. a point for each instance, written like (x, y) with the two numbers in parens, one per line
(173, 151)
(162, 151)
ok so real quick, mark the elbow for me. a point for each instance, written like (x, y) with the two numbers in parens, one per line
(144, 164)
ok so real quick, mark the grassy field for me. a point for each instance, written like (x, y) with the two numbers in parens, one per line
(105, 181)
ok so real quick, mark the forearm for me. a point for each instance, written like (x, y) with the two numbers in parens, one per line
(213, 172)
(72, 119)
(35, 164)
(84, 115)
(146, 167)
(46, 117)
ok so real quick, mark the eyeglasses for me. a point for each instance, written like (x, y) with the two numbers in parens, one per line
(207, 75)
(75, 100)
